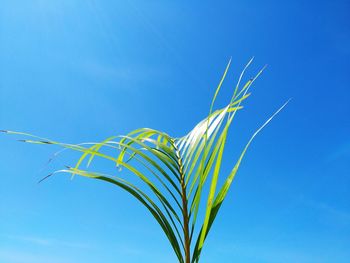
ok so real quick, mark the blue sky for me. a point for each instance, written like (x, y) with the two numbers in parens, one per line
(80, 71)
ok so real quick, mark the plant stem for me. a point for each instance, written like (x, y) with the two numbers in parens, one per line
(184, 209)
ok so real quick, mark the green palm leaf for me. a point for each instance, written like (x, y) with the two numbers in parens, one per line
(173, 172)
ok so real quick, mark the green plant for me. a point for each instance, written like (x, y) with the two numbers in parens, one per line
(177, 170)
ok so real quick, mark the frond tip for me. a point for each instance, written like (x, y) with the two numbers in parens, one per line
(176, 175)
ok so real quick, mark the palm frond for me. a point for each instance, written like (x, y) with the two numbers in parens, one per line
(173, 172)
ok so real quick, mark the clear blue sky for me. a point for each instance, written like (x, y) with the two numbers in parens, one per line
(80, 71)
